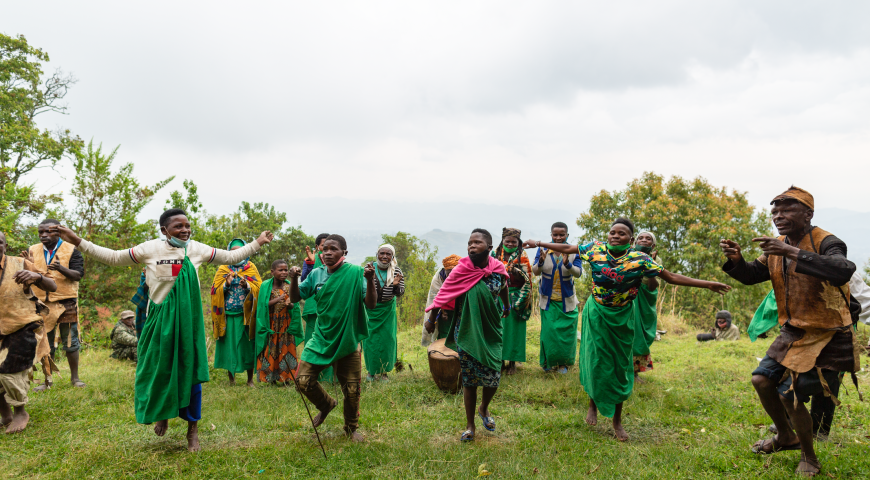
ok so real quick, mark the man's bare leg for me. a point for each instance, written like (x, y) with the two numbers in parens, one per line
(193, 437)
(621, 435)
(803, 424)
(19, 420)
(770, 400)
(160, 427)
(232, 378)
(73, 359)
(250, 378)
(5, 411)
(592, 413)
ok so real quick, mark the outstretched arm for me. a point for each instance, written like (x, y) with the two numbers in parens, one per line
(564, 248)
(677, 279)
(115, 258)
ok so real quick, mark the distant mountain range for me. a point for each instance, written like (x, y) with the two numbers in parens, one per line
(447, 225)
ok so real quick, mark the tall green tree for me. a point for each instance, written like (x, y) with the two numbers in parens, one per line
(25, 95)
(108, 204)
(688, 218)
(16, 203)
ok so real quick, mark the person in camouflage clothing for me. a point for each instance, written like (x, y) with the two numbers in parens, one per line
(124, 340)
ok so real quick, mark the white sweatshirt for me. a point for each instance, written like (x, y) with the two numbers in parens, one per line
(163, 261)
(861, 292)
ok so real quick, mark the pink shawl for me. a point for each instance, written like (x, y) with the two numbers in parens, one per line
(461, 279)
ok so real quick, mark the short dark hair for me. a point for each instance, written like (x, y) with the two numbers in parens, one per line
(164, 218)
(559, 225)
(338, 238)
(485, 234)
(624, 221)
(320, 238)
(49, 221)
(280, 261)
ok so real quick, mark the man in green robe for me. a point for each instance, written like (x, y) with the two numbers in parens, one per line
(342, 297)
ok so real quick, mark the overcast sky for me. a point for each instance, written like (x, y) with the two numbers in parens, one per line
(510, 103)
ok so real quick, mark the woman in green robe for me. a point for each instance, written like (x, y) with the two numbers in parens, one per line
(380, 348)
(472, 291)
(609, 319)
(519, 269)
(645, 304)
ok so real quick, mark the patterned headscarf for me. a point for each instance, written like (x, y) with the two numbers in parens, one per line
(450, 262)
(646, 233)
(391, 268)
(512, 232)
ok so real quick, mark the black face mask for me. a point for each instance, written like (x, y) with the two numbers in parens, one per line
(480, 260)
(646, 250)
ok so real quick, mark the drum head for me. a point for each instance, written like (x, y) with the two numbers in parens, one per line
(438, 348)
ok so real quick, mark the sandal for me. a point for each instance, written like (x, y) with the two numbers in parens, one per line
(488, 422)
(467, 436)
(815, 467)
(770, 446)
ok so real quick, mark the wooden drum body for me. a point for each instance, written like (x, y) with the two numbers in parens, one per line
(444, 365)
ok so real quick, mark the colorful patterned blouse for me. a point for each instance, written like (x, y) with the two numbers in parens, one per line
(616, 280)
(234, 294)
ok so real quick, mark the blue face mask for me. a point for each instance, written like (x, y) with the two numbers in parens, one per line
(178, 243)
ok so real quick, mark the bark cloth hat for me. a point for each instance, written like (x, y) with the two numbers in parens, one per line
(795, 193)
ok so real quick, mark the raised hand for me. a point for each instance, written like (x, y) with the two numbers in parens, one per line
(398, 279)
(369, 271)
(775, 246)
(54, 265)
(25, 254)
(66, 234)
(731, 249)
(719, 288)
(265, 237)
(309, 254)
(530, 244)
(295, 272)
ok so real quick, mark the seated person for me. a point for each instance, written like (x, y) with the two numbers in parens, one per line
(124, 340)
(722, 330)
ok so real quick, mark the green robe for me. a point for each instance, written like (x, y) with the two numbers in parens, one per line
(264, 322)
(234, 352)
(558, 336)
(647, 320)
(379, 350)
(765, 318)
(514, 328)
(172, 352)
(606, 360)
(480, 330)
(341, 317)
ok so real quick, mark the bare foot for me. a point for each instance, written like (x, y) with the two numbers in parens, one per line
(321, 417)
(19, 421)
(42, 388)
(250, 383)
(356, 437)
(232, 379)
(193, 437)
(637, 379)
(78, 383)
(160, 427)
(592, 415)
(621, 435)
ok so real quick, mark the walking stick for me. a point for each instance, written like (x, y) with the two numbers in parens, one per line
(309, 411)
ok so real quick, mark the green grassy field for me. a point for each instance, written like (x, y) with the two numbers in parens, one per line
(695, 417)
